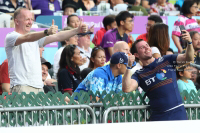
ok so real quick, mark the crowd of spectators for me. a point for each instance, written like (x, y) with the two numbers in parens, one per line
(113, 61)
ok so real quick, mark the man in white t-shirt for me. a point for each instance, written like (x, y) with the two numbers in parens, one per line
(84, 47)
(22, 50)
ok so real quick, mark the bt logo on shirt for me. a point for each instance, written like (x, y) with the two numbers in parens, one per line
(159, 76)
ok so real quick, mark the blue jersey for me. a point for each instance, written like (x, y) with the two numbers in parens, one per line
(158, 80)
(101, 79)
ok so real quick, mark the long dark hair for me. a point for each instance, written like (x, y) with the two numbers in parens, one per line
(93, 54)
(159, 37)
(65, 59)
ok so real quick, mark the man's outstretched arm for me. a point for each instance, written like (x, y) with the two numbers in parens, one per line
(34, 36)
(64, 35)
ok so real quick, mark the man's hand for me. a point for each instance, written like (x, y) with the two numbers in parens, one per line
(82, 27)
(131, 59)
(91, 29)
(186, 36)
(49, 82)
(53, 29)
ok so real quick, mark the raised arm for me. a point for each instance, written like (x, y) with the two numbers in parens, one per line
(64, 35)
(34, 36)
(177, 43)
(189, 54)
(129, 84)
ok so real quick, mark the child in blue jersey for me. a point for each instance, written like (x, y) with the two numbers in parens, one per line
(184, 82)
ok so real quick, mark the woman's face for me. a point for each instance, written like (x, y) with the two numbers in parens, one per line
(99, 59)
(196, 41)
(194, 9)
(73, 40)
(77, 58)
(74, 21)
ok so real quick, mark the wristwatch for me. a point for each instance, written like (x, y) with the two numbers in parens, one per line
(46, 32)
(189, 43)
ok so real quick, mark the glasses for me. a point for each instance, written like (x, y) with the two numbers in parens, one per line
(194, 73)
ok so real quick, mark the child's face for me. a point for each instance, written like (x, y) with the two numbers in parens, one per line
(187, 73)
(68, 11)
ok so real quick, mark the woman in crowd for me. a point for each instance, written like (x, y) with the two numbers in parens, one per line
(161, 6)
(69, 73)
(158, 39)
(189, 9)
(98, 58)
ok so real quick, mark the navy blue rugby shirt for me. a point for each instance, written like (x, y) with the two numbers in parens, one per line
(158, 80)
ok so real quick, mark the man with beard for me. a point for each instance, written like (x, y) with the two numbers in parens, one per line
(158, 80)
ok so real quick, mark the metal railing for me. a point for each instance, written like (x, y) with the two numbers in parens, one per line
(51, 115)
(191, 109)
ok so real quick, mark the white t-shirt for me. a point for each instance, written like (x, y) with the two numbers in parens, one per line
(24, 63)
(155, 50)
(56, 62)
(85, 54)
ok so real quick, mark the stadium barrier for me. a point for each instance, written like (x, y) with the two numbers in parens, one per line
(41, 102)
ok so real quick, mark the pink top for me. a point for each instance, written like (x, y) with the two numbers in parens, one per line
(190, 24)
(158, 8)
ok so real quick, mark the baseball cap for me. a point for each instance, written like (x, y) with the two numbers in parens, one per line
(83, 34)
(43, 61)
(119, 57)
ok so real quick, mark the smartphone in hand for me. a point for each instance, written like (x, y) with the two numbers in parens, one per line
(182, 28)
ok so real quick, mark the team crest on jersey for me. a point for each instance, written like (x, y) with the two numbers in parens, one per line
(160, 59)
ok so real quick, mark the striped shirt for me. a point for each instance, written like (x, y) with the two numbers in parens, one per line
(6, 6)
(190, 24)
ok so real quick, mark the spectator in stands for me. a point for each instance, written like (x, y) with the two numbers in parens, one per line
(169, 51)
(47, 7)
(97, 58)
(147, 3)
(194, 76)
(124, 22)
(160, 6)
(69, 72)
(157, 78)
(84, 47)
(151, 21)
(48, 86)
(115, 2)
(83, 4)
(9, 6)
(21, 45)
(71, 40)
(189, 9)
(184, 83)
(73, 21)
(196, 44)
(135, 6)
(69, 9)
(4, 78)
(108, 23)
(158, 39)
(108, 78)
(97, 2)
(120, 46)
